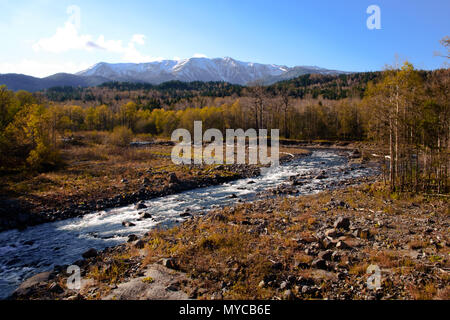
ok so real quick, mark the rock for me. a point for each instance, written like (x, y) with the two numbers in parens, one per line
(319, 264)
(132, 237)
(140, 206)
(262, 284)
(288, 295)
(342, 245)
(170, 263)
(75, 297)
(27, 286)
(331, 233)
(284, 285)
(145, 181)
(185, 214)
(355, 154)
(145, 215)
(277, 266)
(55, 288)
(342, 223)
(173, 287)
(173, 178)
(321, 176)
(362, 233)
(335, 256)
(233, 196)
(325, 243)
(325, 255)
(124, 180)
(91, 253)
(140, 244)
(128, 224)
(251, 182)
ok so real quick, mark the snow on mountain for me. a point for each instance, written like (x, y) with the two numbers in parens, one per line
(198, 69)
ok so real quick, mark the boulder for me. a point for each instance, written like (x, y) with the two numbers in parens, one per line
(140, 206)
(342, 245)
(91, 253)
(140, 244)
(288, 295)
(170, 263)
(325, 255)
(342, 223)
(331, 233)
(55, 288)
(132, 237)
(173, 178)
(319, 264)
(145, 215)
(185, 214)
(27, 286)
(128, 224)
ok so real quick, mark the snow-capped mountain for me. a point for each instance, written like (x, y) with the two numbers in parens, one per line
(198, 69)
(187, 70)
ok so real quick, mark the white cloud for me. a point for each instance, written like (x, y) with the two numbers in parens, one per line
(42, 69)
(68, 38)
(200, 55)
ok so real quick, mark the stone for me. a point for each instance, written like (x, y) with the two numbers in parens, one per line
(140, 244)
(321, 176)
(132, 237)
(55, 288)
(91, 253)
(185, 214)
(288, 295)
(342, 223)
(325, 255)
(27, 286)
(170, 263)
(173, 178)
(319, 264)
(140, 206)
(277, 266)
(145, 215)
(128, 224)
(363, 234)
(331, 233)
(342, 245)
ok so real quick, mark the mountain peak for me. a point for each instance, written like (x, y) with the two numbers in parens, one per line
(224, 69)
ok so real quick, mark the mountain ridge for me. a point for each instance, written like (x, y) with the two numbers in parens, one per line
(187, 70)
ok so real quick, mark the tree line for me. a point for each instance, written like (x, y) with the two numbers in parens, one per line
(404, 110)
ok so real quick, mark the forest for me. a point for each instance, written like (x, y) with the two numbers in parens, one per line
(403, 110)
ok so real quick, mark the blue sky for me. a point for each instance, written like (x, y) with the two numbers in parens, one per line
(42, 37)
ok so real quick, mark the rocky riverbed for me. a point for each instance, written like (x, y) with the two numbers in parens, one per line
(40, 247)
(308, 247)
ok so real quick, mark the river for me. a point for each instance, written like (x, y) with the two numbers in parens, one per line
(40, 248)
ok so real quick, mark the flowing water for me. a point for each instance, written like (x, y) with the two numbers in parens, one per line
(40, 248)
